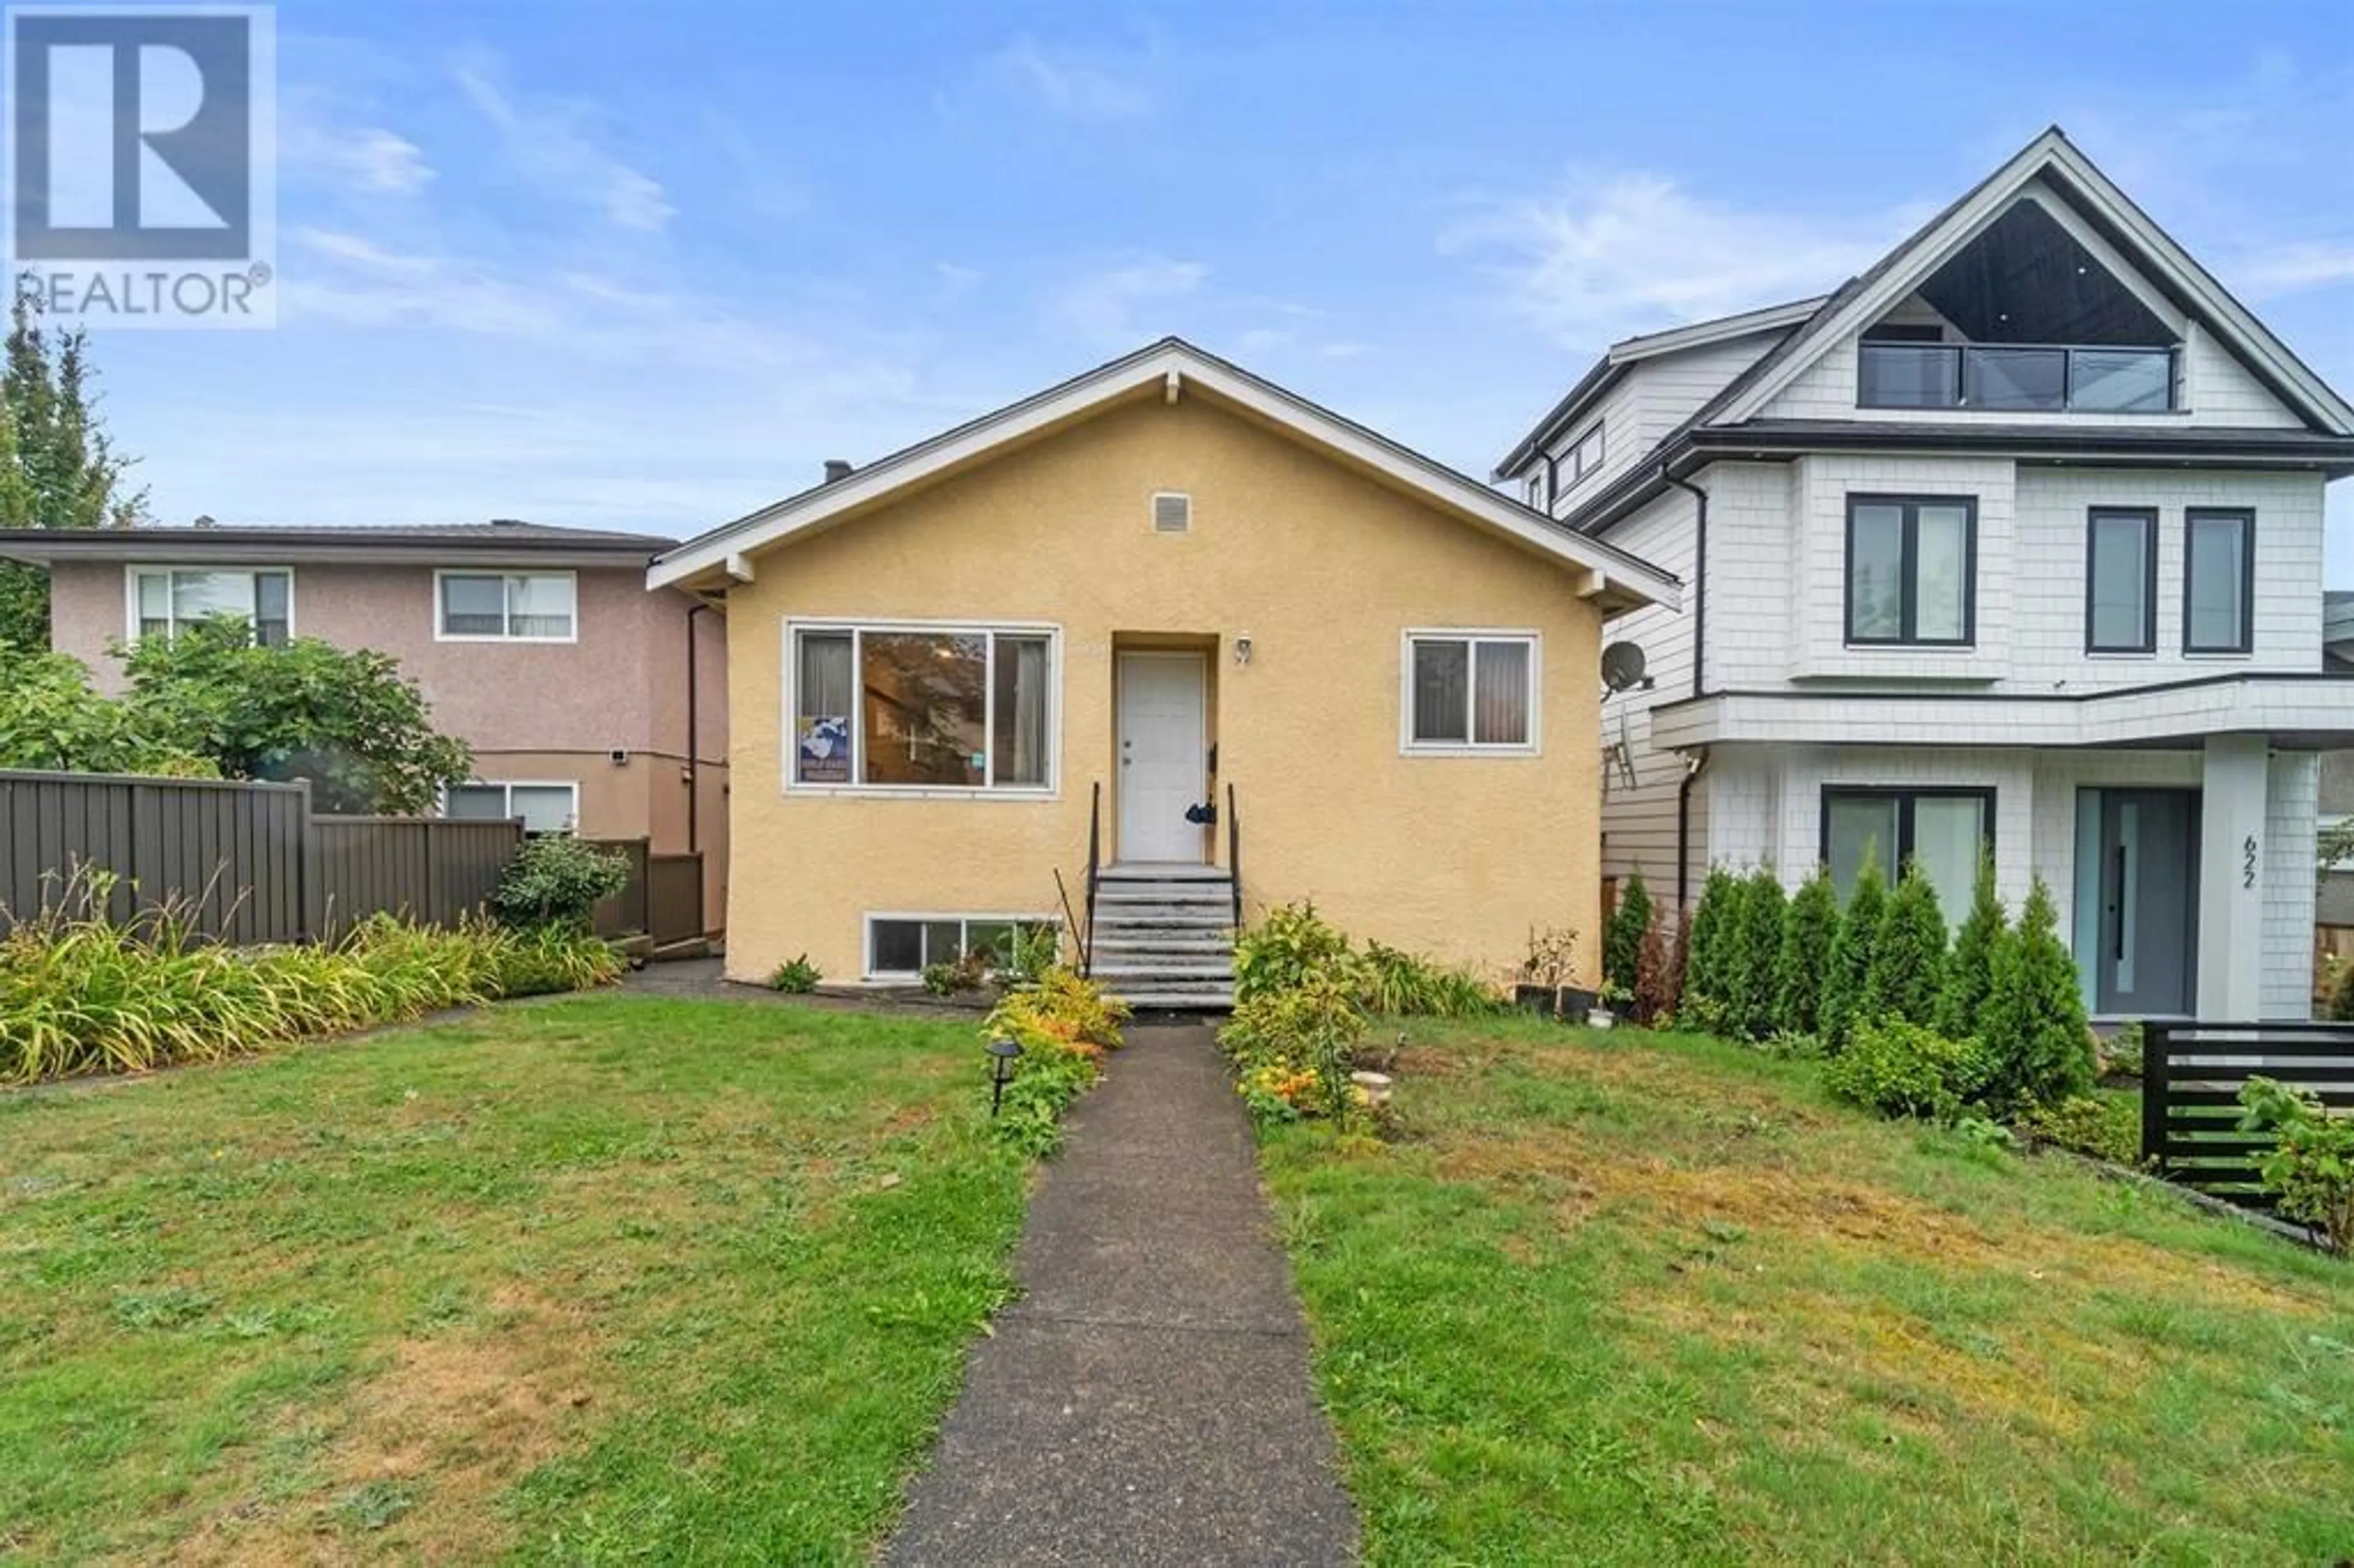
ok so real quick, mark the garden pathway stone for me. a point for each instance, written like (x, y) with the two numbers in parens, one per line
(1148, 1400)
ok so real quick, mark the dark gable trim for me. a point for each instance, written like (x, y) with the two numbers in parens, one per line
(1591, 385)
(2148, 517)
(2246, 517)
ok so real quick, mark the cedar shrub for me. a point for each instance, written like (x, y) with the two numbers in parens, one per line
(1808, 934)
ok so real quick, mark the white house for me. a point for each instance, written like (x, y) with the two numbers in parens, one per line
(2017, 537)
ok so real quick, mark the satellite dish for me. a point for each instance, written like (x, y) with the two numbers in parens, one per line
(1622, 666)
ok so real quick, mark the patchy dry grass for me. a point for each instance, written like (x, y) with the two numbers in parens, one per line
(612, 1278)
(1640, 1299)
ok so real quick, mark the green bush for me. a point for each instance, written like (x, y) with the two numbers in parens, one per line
(557, 880)
(1622, 937)
(1402, 984)
(2038, 1044)
(1908, 961)
(2107, 1128)
(1809, 932)
(796, 977)
(1969, 967)
(965, 972)
(2311, 1167)
(81, 993)
(1852, 954)
(1031, 949)
(1292, 943)
(1064, 1023)
(1297, 1043)
(1753, 980)
(1902, 1069)
(1709, 962)
(1657, 975)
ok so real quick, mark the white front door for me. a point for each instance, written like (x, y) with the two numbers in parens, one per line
(1161, 757)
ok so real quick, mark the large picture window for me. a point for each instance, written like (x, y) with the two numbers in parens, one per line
(923, 707)
(2219, 581)
(1470, 691)
(1943, 829)
(2121, 581)
(166, 599)
(505, 606)
(1912, 565)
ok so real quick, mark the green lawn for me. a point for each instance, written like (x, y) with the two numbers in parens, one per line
(1641, 1299)
(591, 1281)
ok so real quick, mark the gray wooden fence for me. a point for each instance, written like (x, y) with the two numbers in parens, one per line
(248, 863)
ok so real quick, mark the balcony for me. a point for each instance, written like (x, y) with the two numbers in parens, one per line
(2017, 378)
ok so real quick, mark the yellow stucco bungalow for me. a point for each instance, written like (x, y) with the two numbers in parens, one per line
(1183, 638)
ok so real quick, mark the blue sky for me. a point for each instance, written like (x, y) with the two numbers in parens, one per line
(648, 265)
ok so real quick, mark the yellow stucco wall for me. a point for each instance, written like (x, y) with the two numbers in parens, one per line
(1322, 568)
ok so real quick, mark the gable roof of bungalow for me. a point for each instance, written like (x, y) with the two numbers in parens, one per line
(1729, 424)
(1171, 368)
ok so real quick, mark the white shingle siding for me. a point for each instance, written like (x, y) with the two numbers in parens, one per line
(2219, 390)
(2291, 802)
(1655, 396)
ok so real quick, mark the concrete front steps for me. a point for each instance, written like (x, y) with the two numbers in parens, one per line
(1164, 937)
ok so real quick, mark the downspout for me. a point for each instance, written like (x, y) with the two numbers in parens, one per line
(694, 737)
(1694, 765)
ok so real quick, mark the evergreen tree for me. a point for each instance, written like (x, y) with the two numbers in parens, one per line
(1850, 966)
(1969, 968)
(1757, 954)
(2039, 1046)
(1708, 963)
(57, 467)
(1654, 974)
(1622, 939)
(1908, 962)
(1809, 935)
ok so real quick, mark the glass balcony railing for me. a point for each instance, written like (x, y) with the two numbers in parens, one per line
(2017, 378)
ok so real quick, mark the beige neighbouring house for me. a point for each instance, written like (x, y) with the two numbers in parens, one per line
(1177, 612)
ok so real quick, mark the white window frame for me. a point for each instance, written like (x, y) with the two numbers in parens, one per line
(1582, 465)
(503, 573)
(874, 976)
(988, 630)
(137, 570)
(1409, 747)
(509, 786)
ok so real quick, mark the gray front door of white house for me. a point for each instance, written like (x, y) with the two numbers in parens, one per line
(2146, 963)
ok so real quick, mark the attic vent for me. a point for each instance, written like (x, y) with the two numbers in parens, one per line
(1173, 513)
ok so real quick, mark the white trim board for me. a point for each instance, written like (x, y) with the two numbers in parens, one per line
(1168, 370)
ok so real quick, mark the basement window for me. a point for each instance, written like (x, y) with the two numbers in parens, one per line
(900, 947)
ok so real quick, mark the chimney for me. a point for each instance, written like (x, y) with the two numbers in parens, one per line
(836, 468)
(205, 520)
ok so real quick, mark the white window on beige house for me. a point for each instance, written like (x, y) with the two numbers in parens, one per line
(921, 708)
(1470, 691)
(505, 606)
(163, 600)
(545, 807)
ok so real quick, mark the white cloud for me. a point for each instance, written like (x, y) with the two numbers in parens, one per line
(369, 160)
(2284, 268)
(1608, 256)
(548, 141)
(1100, 308)
(1069, 86)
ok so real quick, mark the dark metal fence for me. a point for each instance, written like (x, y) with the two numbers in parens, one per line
(663, 900)
(2191, 1076)
(248, 863)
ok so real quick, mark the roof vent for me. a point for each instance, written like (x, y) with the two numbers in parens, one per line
(836, 468)
(1173, 511)
(204, 520)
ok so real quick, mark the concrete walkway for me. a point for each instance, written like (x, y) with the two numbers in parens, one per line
(1148, 1400)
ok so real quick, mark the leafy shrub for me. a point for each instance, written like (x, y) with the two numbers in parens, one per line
(1969, 966)
(1622, 937)
(1708, 954)
(1908, 961)
(2105, 1129)
(1307, 1032)
(1809, 931)
(1753, 974)
(1902, 1069)
(557, 880)
(2311, 1168)
(1406, 984)
(82, 993)
(1064, 1024)
(1281, 950)
(2038, 1044)
(1553, 957)
(1657, 975)
(1030, 950)
(1851, 952)
(2123, 1052)
(796, 977)
(965, 972)
(53, 720)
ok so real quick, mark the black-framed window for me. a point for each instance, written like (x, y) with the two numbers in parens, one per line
(1912, 570)
(2219, 580)
(1944, 827)
(2121, 580)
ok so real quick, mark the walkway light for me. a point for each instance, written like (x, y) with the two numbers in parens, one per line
(1002, 1054)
